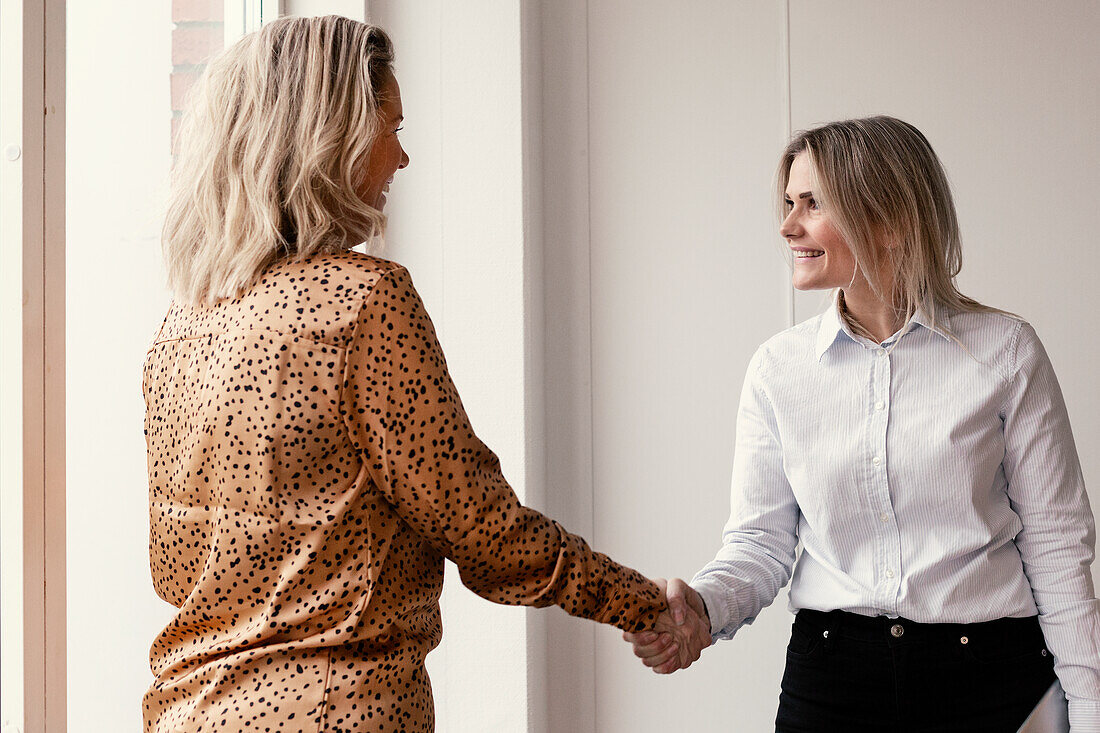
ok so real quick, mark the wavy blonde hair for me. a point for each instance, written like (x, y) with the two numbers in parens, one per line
(881, 183)
(273, 145)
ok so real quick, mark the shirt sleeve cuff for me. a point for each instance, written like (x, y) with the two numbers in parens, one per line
(1084, 716)
(721, 607)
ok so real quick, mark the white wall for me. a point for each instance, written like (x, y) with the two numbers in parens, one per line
(685, 108)
(118, 159)
(463, 218)
(587, 216)
(676, 114)
(1007, 92)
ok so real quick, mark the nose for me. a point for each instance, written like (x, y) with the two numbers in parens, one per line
(404, 159)
(789, 227)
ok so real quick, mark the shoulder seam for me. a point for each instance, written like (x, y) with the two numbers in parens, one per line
(1014, 349)
(367, 298)
(345, 383)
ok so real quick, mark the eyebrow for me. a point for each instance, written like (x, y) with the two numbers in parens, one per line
(806, 195)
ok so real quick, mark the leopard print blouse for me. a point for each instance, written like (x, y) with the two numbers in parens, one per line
(310, 467)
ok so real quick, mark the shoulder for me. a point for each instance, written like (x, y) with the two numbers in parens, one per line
(1000, 340)
(341, 276)
(320, 298)
(789, 347)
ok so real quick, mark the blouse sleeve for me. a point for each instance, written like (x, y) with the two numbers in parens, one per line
(1057, 542)
(760, 537)
(408, 424)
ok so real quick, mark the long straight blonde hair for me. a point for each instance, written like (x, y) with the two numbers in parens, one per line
(273, 144)
(882, 184)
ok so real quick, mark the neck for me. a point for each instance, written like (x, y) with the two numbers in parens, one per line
(876, 316)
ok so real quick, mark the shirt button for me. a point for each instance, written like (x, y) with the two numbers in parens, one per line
(880, 405)
(897, 630)
(884, 517)
(881, 352)
(889, 573)
(876, 460)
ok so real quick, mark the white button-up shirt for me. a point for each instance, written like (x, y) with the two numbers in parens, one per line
(933, 477)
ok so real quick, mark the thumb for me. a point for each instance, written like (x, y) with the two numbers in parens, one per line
(676, 600)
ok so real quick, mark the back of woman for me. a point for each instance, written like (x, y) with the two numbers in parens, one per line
(264, 529)
(310, 462)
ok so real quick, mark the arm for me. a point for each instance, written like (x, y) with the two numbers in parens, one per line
(408, 424)
(760, 537)
(758, 542)
(1058, 538)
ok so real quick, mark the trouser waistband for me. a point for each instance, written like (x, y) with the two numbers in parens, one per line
(882, 628)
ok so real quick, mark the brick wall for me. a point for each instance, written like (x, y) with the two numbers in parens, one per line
(198, 34)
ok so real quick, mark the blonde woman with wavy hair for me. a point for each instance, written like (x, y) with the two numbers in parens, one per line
(915, 442)
(310, 462)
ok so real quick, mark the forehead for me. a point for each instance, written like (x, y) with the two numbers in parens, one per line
(800, 177)
(389, 96)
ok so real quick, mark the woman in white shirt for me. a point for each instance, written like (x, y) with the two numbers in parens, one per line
(916, 442)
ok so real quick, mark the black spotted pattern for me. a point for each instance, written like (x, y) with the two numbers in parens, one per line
(310, 466)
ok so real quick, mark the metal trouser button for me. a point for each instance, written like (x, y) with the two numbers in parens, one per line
(897, 630)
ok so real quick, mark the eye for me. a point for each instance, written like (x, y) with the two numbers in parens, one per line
(788, 204)
(812, 203)
(397, 130)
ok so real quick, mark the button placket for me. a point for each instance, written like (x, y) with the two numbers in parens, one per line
(879, 418)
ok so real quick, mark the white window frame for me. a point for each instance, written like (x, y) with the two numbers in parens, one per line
(244, 16)
(32, 366)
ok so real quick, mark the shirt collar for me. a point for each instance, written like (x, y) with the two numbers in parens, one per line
(832, 325)
(942, 325)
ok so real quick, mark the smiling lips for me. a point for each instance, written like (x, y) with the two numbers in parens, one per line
(805, 253)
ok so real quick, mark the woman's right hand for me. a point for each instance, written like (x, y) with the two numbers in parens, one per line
(680, 634)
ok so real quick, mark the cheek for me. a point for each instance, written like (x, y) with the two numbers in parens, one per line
(834, 244)
(374, 170)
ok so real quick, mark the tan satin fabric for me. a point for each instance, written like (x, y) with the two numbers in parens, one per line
(310, 467)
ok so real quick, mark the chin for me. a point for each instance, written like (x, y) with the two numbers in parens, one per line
(806, 286)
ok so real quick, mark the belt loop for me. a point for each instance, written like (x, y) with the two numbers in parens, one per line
(832, 623)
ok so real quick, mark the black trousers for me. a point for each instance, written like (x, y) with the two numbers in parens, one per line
(852, 673)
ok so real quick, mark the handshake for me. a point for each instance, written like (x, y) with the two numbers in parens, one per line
(681, 633)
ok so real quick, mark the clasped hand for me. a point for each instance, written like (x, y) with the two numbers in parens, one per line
(680, 634)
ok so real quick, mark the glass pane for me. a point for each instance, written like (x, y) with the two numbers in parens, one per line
(129, 66)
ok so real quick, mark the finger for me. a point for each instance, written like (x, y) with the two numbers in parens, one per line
(686, 656)
(668, 667)
(672, 653)
(642, 637)
(699, 640)
(650, 650)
